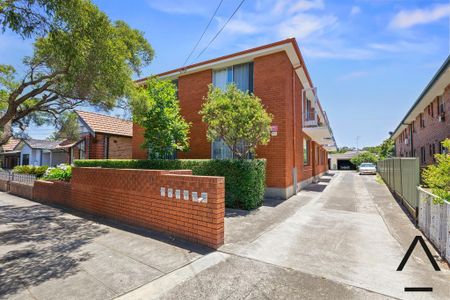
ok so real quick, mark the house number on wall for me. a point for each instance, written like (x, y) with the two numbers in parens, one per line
(195, 196)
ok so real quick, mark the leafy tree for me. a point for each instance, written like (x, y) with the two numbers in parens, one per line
(343, 149)
(372, 149)
(156, 108)
(236, 117)
(79, 57)
(437, 176)
(364, 157)
(387, 149)
(68, 128)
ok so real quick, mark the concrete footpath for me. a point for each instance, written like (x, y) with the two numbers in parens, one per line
(341, 238)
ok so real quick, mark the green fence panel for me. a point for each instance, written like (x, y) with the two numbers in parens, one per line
(402, 175)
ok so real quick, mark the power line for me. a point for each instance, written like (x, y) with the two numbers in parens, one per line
(224, 25)
(204, 31)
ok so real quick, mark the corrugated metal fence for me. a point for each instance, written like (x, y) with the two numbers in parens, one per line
(402, 175)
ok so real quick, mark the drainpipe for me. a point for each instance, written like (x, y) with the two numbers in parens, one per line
(294, 132)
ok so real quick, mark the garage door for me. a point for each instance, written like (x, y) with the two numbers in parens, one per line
(345, 164)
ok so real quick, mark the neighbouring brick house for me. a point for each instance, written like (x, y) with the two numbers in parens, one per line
(102, 137)
(9, 155)
(276, 73)
(427, 122)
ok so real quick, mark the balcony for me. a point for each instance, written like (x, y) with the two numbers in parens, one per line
(318, 130)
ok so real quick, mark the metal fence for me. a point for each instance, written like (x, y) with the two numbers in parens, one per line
(5, 175)
(23, 178)
(402, 175)
(434, 221)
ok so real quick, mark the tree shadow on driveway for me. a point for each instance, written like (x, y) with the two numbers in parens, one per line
(46, 245)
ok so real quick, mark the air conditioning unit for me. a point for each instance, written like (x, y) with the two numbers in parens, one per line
(406, 141)
(441, 117)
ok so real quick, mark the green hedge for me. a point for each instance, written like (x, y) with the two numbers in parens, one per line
(39, 171)
(244, 179)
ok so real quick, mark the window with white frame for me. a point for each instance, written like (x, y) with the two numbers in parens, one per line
(305, 152)
(242, 76)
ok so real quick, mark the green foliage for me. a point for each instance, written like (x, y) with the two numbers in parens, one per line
(80, 57)
(437, 176)
(364, 157)
(386, 149)
(343, 149)
(62, 172)
(38, 171)
(158, 111)
(68, 128)
(244, 179)
(238, 118)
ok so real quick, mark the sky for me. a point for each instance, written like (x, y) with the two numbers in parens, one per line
(369, 59)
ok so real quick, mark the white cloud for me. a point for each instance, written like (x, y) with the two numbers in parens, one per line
(240, 26)
(304, 5)
(402, 46)
(355, 10)
(410, 18)
(304, 25)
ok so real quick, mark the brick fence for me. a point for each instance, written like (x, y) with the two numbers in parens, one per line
(175, 202)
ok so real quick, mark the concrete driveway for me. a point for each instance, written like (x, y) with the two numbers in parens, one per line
(342, 238)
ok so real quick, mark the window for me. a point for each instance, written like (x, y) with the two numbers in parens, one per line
(305, 152)
(25, 159)
(220, 150)
(440, 108)
(422, 155)
(422, 121)
(241, 75)
(82, 148)
(413, 125)
(432, 109)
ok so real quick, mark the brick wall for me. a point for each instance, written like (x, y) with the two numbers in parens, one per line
(191, 90)
(4, 185)
(52, 192)
(273, 84)
(21, 189)
(134, 197)
(119, 147)
(96, 146)
(137, 141)
(432, 134)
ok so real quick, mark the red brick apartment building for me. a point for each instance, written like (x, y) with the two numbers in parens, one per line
(102, 137)
(427, 122)
(276, 73)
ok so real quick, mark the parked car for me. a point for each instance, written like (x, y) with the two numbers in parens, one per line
(367, 168)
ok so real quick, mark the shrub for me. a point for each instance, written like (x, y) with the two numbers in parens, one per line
(38, 171)
(437, 176)
(364, 157)
(62, 172)
(244, 179)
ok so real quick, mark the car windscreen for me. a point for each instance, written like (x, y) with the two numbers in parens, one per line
(367, 166)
